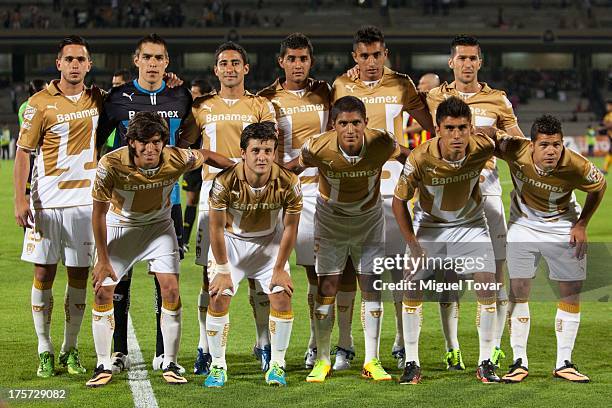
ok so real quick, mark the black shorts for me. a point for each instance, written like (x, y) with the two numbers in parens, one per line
(192, 181)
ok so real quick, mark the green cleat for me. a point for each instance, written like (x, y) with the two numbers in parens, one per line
(453, 360)
(71, 361)
(46, 367)
(320, 372)
(497, 356)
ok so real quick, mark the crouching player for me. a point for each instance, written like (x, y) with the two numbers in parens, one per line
(547, 222)
(247, 241)
(135, 181)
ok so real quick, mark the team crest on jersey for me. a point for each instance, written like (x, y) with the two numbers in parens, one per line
(29, 112)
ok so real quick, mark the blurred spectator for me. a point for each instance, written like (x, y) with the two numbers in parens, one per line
(591, 138)
(5, 141)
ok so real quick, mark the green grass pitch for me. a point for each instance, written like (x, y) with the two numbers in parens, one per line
(246, 386)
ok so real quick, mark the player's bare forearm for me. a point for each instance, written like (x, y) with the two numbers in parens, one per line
(402, 217)
(294, 166)
(424, 118)
(98, 223)
(217, 219)
(591, 203)
(515, 131)
(290, 223)
(216, 160)
(404, 153)
(22, 212)
(414, 128)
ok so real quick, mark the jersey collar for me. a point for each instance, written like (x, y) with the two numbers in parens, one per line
(452, 87)
(141, 89)
(278, 84)
(54, 90)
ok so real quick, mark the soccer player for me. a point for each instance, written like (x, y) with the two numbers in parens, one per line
(413, 130)
(246, 240)
(607, 127)
(135, 182)
(221, 117)
(489, 107)
(148, 92)
(302, 107)
(547, 222)
(119, 78)
(349, 223)
(448, 223)
(192, 181)
(58, 126)
(387, 95)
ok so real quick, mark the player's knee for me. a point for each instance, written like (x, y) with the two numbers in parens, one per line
(104, 295)
(44, 273)
(328, 285)
(78, 273)
(219, 303)
(281, 302)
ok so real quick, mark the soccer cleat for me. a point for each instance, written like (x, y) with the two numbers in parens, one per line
(570, 372)
(399, 354)
(72, 362)
(375, 371)
(310, 357)
(46, 365)
(454, 360)
(319, 373)
(172, 375)
(276, 375)
(202, 363)
(120, 362)
(158, 361)
(486, 372)
(263, 355)
(343, 358)
(100, 378)
(517, 373)
(412, 374)
(497, 356)
(216, 378)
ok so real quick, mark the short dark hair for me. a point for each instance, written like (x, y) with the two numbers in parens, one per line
(203, 84)
(152, 38)
(259, 131)
(230, 45)
(296, 41)
(368, 35)
(36, 85)
(465, 40)
(146, 124)
(72, 40)
(547, 125)
(123, 73)
(348, 104)
(453, 107)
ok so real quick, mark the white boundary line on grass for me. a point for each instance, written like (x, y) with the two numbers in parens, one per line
(138, 377)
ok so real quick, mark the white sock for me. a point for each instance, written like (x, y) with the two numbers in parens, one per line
(74, 306)
(566, 329)
(312, 294)
(324, 323)
(42, 308)
(486, 316)
(203, 301)
(371, 319)
(345, 303)
(103, 327)
(502, 312)
(519, 324)
(217, 329)
(170, 322)
(280, 334)
(399, 326)
(260, 303)
(449, 317)
(412, 316)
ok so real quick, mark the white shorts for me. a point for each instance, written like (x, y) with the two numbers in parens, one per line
(337, 237)
(60, 233)
(526, 247)
(155, 243)
(203, 236)
(394, 240)
(496, 220)
(252, 258)
(465, 249)
(304, 245)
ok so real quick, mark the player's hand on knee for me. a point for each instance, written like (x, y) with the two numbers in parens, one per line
(578, 240)
(220, 283)
(282, 278)
(100, 272)
(23, 214)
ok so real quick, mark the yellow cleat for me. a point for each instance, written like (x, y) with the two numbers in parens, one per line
(320, 372)
(375, 371)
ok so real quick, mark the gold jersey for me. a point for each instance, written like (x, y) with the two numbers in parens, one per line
(220, 123)
(299, 117)
(141, 197)
(385, 103)
(490, 107)
(61, 132)
(448, 195)
(349, 187)
(546, 202)
(255, 212)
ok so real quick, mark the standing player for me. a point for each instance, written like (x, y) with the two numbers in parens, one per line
(246, 240)
(136, 182)
(349, 223)
(547, 222)
(149, 92)
(58, 126)
(119, 78)
(220, 118)
(386, 94)
(489, 107)
(302, 109)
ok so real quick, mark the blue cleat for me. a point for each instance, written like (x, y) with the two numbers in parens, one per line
(216, 378)
(263, 355)
(276, 375)
(202, 363)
